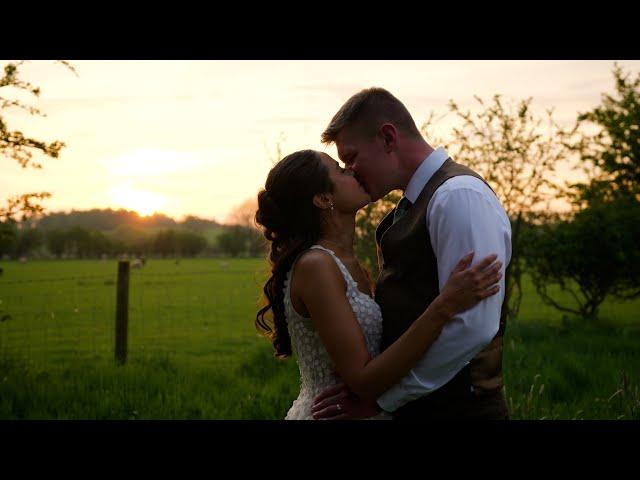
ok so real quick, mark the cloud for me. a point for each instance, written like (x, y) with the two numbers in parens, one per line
(146, 162)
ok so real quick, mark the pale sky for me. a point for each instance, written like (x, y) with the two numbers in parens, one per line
(197, 137)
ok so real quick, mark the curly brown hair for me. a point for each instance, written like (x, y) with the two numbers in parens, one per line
(292, 224)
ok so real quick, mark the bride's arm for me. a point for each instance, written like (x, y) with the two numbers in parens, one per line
(318, 283)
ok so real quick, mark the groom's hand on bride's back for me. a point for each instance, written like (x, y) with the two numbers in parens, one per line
(339, 403)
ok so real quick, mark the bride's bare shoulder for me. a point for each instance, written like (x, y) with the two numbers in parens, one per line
(314, 261)
(315, 267)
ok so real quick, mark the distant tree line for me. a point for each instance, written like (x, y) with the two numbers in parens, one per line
(78, 242)
(99, 233)
(107, 219)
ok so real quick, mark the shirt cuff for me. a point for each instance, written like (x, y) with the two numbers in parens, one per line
(388, 401)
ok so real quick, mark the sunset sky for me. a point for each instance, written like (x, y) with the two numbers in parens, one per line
(198, 137)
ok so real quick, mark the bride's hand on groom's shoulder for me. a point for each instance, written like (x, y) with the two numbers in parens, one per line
(339, 403)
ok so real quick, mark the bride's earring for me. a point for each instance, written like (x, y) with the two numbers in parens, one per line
(331, 206)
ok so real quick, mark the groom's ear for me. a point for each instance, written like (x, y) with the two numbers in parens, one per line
(389, 135)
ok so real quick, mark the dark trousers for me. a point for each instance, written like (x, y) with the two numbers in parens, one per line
(456, 401)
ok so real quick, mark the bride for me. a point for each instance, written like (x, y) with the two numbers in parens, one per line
(319, 301)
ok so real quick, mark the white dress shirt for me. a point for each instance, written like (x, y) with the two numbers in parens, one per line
(463, 215)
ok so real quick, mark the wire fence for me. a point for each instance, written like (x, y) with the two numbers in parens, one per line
(198, 311)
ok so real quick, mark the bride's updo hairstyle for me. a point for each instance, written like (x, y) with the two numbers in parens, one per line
(291, 224)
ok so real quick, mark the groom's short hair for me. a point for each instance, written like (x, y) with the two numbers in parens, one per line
(366, 111)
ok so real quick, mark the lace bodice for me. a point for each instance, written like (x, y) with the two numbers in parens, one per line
(314, 362)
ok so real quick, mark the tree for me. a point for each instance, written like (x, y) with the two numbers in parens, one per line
(190, 244)
(244, 214)
(78, 240)
(132, 238)
(277, 155)
(593, 255)
(611, 155)
(8, 237)
(256, 243)
(597, 253)
(15, 145)
(249, 235)
(55, 241)
(198, 225)
(239, 240)
(516, 151)
(165, 243)
(232, 241)
(28, 240)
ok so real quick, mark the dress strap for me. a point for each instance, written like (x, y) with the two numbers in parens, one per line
(351, 283)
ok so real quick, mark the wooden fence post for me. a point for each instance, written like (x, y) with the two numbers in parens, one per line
(122, 312)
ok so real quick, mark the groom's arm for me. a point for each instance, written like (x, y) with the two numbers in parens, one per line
(463, 216)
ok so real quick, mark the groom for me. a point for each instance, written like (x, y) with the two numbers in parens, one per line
(447, 211)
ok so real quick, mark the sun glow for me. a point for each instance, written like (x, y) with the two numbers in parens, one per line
(145, 203)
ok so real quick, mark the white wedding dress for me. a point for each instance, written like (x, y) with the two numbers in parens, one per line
(316, 367)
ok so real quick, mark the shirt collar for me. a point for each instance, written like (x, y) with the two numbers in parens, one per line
(424, 172)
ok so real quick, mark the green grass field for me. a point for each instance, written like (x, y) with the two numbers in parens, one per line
(194, 352)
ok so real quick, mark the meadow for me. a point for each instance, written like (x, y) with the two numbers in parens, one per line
(193, 351)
